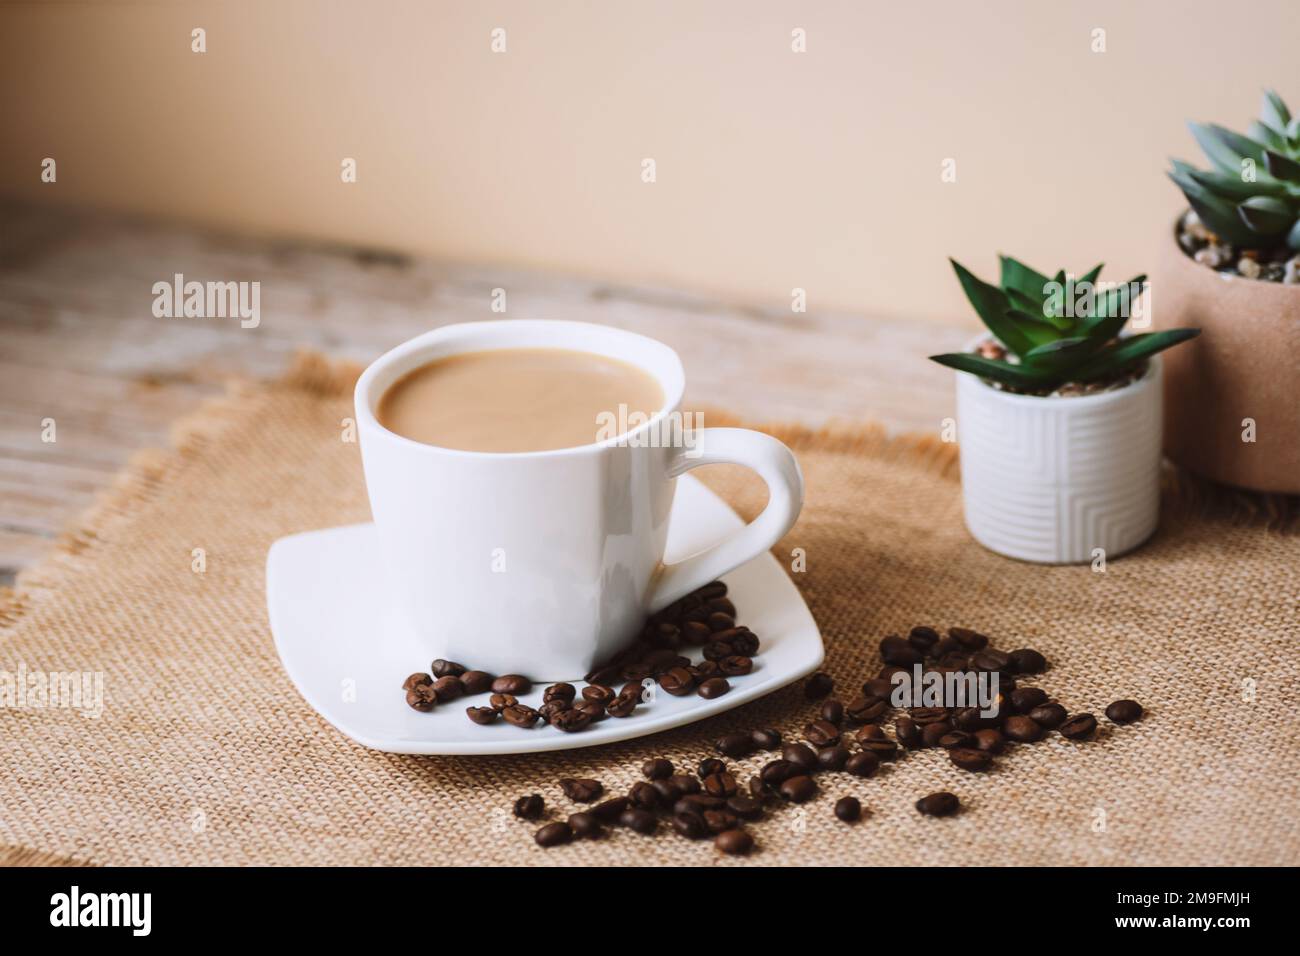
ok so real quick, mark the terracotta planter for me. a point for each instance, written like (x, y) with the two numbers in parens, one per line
(1244, 365)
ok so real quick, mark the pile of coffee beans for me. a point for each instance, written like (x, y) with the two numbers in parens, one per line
(844, 738)
(704, 619)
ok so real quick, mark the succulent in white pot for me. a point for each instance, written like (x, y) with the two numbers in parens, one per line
(1059, 416)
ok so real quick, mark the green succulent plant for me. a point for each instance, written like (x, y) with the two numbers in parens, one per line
(1060, 329)
(1251, 196)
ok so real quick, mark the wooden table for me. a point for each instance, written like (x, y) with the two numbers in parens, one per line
(79, 344)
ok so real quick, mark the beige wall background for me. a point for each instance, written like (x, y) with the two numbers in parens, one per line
(775, 170)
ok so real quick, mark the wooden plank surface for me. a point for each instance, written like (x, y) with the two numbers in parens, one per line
(79, 344)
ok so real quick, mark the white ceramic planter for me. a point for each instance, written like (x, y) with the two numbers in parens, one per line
(1052, 479)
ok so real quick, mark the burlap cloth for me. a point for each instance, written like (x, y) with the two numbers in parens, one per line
(206, 754)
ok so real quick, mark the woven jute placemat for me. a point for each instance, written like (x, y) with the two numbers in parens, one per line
(205, 754)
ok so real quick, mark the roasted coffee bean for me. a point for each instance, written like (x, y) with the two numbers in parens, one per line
(553, 834)
(716, 650)
(481, 715)
(1028, 661)
(585, 825)
(678, 681)
(642, 821)
(735, 745)
(549, 709)
(1124, 711)
(636, 672)
(866, 709)
(718, 621)
(581, 789)
(924, 716)
(657, 769)
(685, 783)
(476, 682)
(622, 706)
(669, 793)
(696, 633)
(645, 796)
(931, 734)
(710, 765)
(990, 659)
(1025, 699)
(882, 748)
(863, 765)
(832, 758)
(448, 689)
(878, 687)
(758, 790)
(775, 772)
(941, 804)
(634, 689)
(609, 811)
(1079, 727)
(818, 686)
(970, 759)
(599, 693)
(691, 825)
(848, 809)
(969, 719)
(722, 605)
(907, 732)
(745, 643)
(713, 687)
(766, 739)
(1022, 729)
(421, 697)
(989, 740)
(1050, 716)
(443, 668)
(822, 733)
(704, 670)
(968, 639)
(801, 756)
(947, 647)
(747, 808)
(832, 711)
(956, 739)
(720, 819)
(799, 789)
(720, 785)
(923, 638)
(869, 732)
(736, 665)
(571, 721)
(698, 803)
(734, 842)
(712, 590)
(564, 692)
(514, 684)
(898, 652)
(500, 702)
(592, 709)
(417, 678)
(530, 807)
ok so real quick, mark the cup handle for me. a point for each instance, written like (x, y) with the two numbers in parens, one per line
(776, 465)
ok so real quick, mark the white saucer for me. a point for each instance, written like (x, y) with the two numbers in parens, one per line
(324, 595)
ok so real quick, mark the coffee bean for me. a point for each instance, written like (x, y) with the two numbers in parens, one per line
(476, 682)
(581, 789)
(530, 807)
(832, 711)
(818, 686)
(758, 789)
(1025, 699)
(956, 740)
(923, 638)
(898, 652)
(685, 783)
(990, 659)
(598, 693)
(690, 825)
(696, 633)
(989, 740)
(678, 681)
(669, 792)
(735, 745)
(481, 715)
(549, 709)
(422, 697)
(848, 809)
(594, 710)
(417, 678)
(710, 765)
(500, 702)
(832, 758)
(870, 732)
(924, 716)
(448, 689)
(720, 785)
(711, 591)
(878, 687)
(968, 719)
(745, 642)
(941, 804)
(746, 808)
(586, 826)
(1049, 716)
(704, 670)
(931, 734)
(775, 772)
(719, 621)
(645, 797)
(553, 834)
(713, 687)
(1124, 711)
(736, 665)
(970, 759)
(610, 810)
(698, 803)
(863, 765)
(865, 709)
(968, 639)
(564, 692)
(907, 732)
(1027, 661)
(571, 721)
(1079, 727)
(641, 821)
(822, 733)
(734, 842)
(723, 605)
(514, 684)
(883, 748)
(657, 769)
(622, 705)
(720, 819)
(1021, 729)
(766, 739)
(801, 756)
(799, 789)
(443, 668)
(716, 650)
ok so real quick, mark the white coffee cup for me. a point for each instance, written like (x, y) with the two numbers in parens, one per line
(546, 563)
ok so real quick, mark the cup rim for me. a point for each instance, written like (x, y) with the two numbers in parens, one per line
(364, 402)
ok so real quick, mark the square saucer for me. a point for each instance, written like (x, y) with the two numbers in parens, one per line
(348, 654)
